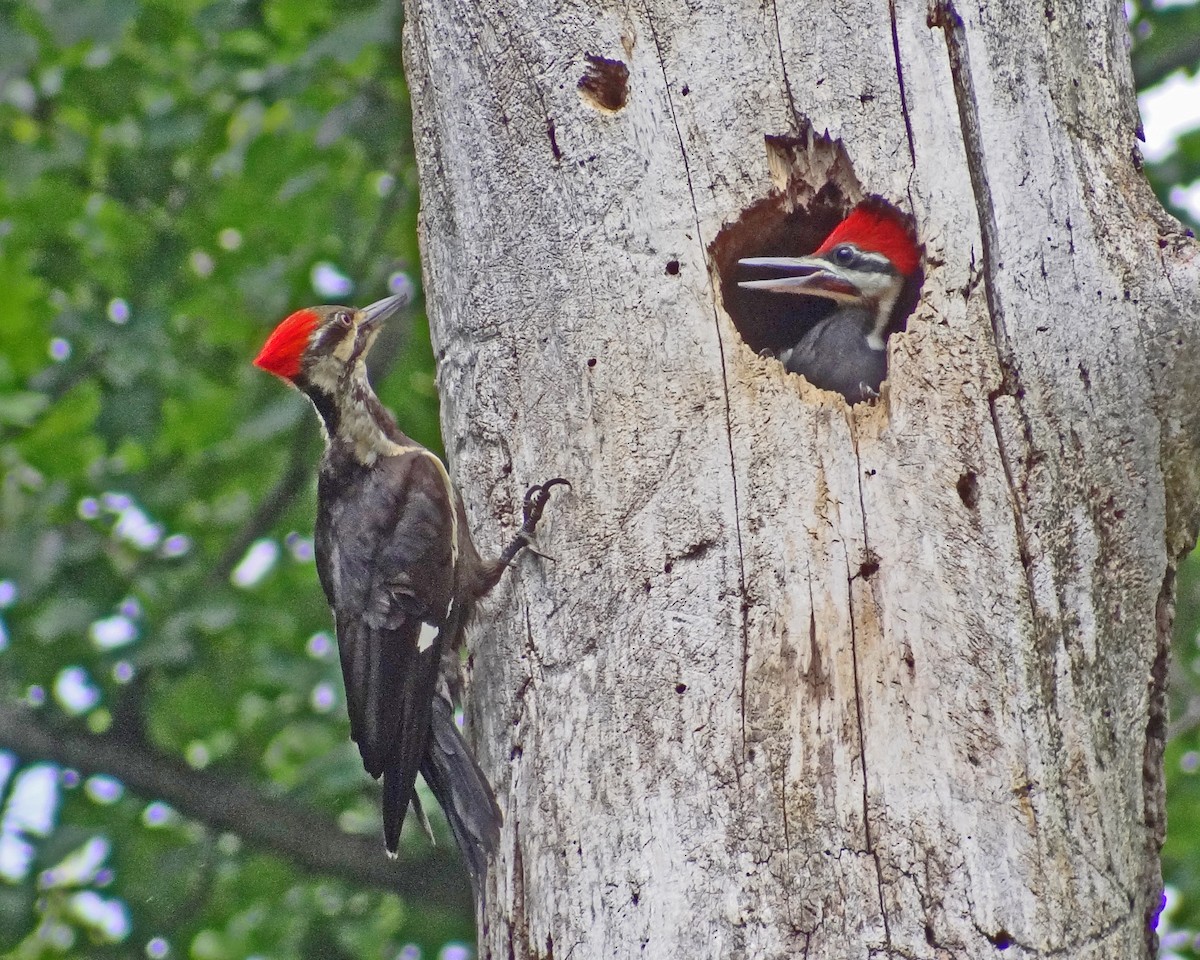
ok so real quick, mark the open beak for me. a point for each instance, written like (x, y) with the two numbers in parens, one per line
(379, 311)
(810, 276)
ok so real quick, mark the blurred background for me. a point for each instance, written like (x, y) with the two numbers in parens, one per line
(175, 177)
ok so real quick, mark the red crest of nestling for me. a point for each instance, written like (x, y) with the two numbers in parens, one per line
(285, 346)
(877, 228)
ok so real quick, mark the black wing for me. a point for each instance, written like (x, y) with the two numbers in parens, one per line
(386, 533)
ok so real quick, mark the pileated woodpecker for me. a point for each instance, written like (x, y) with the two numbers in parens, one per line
(400, 571)
(862, 266)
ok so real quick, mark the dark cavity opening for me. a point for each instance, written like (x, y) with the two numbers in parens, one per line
(605, 84)
(968, 489)
(814, 190)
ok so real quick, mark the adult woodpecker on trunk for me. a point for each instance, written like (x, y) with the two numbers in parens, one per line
(862, 266)
(400, 571)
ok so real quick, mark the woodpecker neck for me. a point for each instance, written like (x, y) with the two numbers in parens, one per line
(869, 319)
(353, 418)
(878, 321)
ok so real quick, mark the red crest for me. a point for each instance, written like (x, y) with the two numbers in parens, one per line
(285, 347)
(876, 227)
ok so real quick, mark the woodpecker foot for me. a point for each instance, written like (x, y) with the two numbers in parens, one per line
(868, 392)
(532, 546)
(536, 498)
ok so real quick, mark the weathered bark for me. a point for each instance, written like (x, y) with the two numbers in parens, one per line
(809, 680)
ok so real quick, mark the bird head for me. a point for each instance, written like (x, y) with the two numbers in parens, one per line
(865, 261)
(321, 346)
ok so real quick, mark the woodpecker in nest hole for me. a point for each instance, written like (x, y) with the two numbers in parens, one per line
(862, 266)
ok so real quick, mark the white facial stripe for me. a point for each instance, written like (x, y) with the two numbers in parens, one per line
(883, 288)
(344, 348)
(871, 262)
(453, 501)
(326, 373)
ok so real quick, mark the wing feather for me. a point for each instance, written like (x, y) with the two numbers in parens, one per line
(389, 577)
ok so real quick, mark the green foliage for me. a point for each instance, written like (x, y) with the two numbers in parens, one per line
(1181, 852)
(171, 175)
(1166, 40)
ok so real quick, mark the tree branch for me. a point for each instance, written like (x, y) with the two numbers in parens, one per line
(309, 839)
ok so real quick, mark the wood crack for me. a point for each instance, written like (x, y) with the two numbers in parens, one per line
(737, 509)
(912, 149)
(862, 755)
(945, 16)
(797, 126)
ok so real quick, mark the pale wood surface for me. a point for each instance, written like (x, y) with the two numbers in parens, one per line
(807, 680)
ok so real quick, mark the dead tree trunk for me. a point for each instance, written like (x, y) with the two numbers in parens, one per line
(811, 680)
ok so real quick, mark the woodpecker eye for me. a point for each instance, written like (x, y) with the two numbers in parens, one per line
(344, 319)
(844, 253)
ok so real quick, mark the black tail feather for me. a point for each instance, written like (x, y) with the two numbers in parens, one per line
(397, 790)
(463, 792)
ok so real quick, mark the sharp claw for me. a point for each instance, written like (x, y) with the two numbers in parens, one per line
(532, 546)
(536, 498)
(544, 489)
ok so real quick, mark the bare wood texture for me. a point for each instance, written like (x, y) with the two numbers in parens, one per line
(806, 680)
